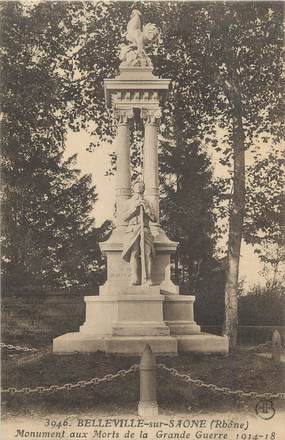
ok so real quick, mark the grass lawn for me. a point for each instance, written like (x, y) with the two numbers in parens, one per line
(36, 322)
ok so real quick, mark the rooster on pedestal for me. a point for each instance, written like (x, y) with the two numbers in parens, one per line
(134, 53)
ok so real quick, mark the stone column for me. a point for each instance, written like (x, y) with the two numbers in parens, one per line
(150, 157)
(123, 174)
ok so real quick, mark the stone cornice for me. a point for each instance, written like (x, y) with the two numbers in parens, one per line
(133, 90)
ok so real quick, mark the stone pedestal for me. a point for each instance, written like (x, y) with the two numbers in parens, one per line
(123, 322)
(178, 314)
(124, 318)
(119, 271)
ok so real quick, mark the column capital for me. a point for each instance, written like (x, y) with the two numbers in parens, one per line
(122, 116)
(151, 116)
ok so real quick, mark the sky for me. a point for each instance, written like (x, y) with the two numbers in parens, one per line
(97, 164)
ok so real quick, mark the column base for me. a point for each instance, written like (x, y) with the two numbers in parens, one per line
(147, 409)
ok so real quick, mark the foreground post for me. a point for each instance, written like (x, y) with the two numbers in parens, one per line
(147, 405)
(276, 346)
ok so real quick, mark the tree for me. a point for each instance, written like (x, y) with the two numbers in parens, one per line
(264, 226)
(273, 258)
(187, 209)
(47, 228)
(219, 56)
(253, 94)
(230, 57)
(224, 62)
(226, 54)
(265, 202)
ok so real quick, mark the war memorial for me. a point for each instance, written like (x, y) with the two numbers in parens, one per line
(138, 304)
(98, 341)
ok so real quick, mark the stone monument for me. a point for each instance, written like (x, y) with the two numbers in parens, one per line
(138, 304)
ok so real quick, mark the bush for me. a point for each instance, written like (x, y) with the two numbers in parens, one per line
(262, 306)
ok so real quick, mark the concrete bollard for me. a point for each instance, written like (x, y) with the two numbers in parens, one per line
(276, 346)
(147, 406)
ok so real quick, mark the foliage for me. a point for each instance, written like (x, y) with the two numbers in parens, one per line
(214, 53)
(262, 306)
(265, 200)
(210, 301)
(49, 237)
(208, 51)
(187, 206)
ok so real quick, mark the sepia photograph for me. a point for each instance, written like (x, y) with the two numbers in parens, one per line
(142, 220)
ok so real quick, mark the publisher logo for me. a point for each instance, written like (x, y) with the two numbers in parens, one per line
(265, 409)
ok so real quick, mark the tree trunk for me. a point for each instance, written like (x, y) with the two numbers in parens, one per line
(230, 85)
(236, 220)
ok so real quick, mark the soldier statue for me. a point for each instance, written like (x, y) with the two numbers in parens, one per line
(138, 248)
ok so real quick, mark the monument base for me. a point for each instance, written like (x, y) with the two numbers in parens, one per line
(123, 320)
(134, 345)
(203, 343)
(128, 345)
